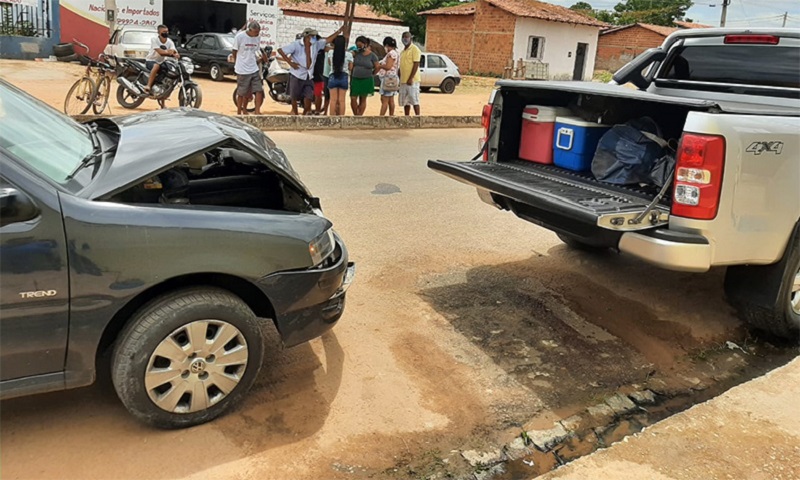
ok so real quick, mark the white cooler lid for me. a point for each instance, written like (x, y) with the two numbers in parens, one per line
(544, 114)
(579, 122)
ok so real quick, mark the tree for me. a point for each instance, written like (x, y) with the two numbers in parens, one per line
(408, 11)
(405, 10)
(581, 7)
(663, 12)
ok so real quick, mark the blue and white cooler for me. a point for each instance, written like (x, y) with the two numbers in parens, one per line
(575, 141)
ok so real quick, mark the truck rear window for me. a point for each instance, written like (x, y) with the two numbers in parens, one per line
(755, 65)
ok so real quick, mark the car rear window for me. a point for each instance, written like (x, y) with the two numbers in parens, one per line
(138, 38)
(754, 65)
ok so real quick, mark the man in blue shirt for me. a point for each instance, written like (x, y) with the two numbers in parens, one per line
(303, 53)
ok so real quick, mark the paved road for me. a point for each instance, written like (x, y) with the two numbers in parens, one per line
(464, 324)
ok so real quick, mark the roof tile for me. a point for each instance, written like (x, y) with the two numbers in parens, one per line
(320, 7)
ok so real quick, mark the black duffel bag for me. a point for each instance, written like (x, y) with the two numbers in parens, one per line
(628, 153)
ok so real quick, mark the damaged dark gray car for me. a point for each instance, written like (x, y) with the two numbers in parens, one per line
(166, 238)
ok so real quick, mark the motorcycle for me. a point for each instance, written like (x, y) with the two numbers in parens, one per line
(132, 75)
(276, 77)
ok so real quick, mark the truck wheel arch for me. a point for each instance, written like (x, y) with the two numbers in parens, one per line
(249, 293)
(757, 292)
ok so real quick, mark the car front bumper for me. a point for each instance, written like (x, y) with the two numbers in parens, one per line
(308, 303)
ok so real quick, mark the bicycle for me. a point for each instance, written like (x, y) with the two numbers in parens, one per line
(93, 89)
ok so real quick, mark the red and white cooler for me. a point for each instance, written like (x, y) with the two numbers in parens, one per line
(538, 126)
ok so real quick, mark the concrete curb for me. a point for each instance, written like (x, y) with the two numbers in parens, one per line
(288, 122)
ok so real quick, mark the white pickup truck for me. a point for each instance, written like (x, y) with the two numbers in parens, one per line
(732, 97)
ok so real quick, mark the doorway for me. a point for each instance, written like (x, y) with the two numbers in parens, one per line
(580, 61)
(198, 16)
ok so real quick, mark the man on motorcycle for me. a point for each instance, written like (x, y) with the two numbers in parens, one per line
(161, 47)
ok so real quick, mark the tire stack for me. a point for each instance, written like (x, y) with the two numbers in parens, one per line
(65, 52)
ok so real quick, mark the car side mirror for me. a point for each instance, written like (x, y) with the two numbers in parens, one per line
(632, 72)
(15, 207)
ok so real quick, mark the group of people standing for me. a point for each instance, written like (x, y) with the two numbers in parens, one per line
(332, 69)
(323, 69)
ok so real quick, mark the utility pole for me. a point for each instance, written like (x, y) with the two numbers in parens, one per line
(725, 4)
(785, 14)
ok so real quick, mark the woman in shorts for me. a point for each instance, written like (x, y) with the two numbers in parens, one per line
(340, 62)
(388, 75)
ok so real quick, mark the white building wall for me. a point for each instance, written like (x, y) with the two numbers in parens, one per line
(290, 25)
(561, 41)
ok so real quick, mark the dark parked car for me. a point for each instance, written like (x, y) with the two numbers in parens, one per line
(165, 238)
(209, 52)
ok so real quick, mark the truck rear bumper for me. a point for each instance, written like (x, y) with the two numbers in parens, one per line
(670, 250)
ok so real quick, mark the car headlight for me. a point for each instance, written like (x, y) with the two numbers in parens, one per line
(321, 247)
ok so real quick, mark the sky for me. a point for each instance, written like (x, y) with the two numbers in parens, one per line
(741, 13)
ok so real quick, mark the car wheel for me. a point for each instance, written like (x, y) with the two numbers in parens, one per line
(187, 357)
(425, 89)
(216, 72)
(578, 244)
(768, 296)
(448, 86)
(126, 99)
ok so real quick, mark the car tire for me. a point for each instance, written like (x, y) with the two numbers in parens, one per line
(424, 89)
(68, 58)
(170, 366)
(767, 297)
(448, 86)
(63, 50)
(578, 244)
(216, 73)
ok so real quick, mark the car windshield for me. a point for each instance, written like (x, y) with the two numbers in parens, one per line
(227, 41)
(40, 137)
(138, 38)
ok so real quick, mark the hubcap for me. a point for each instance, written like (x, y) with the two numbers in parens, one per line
(794, 297)
(196, 366)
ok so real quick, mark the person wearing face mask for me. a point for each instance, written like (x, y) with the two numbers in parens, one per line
(161, 47)
(409, 75)
(362, 75)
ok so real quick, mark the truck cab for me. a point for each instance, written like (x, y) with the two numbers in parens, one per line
(727, 102)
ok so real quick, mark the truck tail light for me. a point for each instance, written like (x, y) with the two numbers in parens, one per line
(698, 176)
(486, 120)
(752, 39)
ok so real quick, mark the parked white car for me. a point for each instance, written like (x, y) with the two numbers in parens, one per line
(438, 71)
(130, 42)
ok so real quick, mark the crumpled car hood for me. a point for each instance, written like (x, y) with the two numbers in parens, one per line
(152, 142)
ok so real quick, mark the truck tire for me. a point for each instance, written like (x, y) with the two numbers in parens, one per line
(187, 357)
(577, 244)
(767, 297)
(68, 58)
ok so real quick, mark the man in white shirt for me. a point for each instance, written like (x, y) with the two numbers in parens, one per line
(303, 53)
(247, 55)
(161, 47)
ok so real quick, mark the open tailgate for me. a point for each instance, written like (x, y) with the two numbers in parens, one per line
(562, 193)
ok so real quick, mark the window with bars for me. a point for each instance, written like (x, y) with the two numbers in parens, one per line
(535, 48)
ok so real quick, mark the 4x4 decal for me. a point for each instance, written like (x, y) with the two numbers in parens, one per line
(757, 148)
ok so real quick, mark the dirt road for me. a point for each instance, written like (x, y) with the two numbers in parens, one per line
(50, 81)
(465, 327)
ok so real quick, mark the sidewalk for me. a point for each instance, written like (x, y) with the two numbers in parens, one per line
(750, 432)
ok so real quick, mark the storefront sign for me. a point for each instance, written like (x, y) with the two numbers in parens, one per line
(29, 3)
